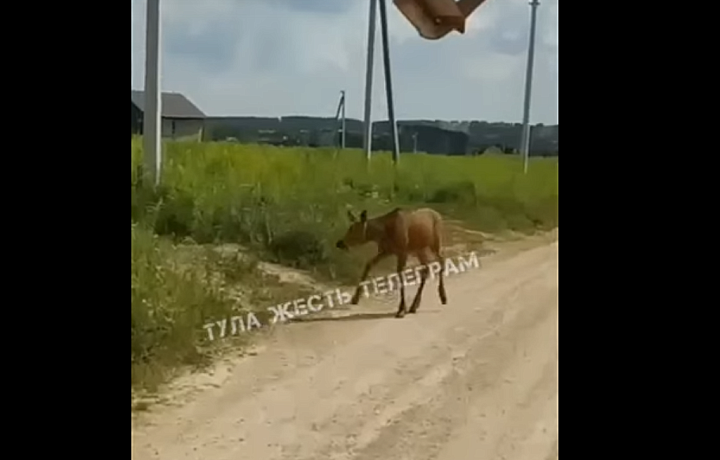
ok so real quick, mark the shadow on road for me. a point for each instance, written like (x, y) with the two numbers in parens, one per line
(356, 317)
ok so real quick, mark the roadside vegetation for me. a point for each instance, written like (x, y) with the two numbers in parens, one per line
(287, 206)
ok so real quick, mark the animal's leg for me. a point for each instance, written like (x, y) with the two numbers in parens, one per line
(401, 261)
(422, 257)
(368, 266)
(441, 287)
(441, 260)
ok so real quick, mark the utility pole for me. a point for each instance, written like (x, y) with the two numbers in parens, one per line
(342, 142)
(388, 81)
(367, 135)
(152, 122)
(340, 116)
(367, 139)
(525, 140)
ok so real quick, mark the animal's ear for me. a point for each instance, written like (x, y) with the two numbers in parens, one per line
(363, 216)
(351, 216)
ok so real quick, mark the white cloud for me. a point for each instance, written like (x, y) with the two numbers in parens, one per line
(280, 57)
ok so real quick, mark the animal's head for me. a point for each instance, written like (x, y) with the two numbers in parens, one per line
(356, 234)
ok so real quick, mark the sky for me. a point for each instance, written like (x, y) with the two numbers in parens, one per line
(293, 57)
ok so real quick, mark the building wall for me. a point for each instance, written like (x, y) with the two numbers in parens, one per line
(136, 119)
(171, 128)
(182, 128)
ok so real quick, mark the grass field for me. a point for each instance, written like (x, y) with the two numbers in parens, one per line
(288, 205)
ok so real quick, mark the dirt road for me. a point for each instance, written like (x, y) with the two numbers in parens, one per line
(475, 379)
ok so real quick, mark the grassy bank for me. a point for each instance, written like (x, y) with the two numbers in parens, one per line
(288, 205)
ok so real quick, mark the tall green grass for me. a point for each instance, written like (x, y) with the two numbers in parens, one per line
(168, 303)
(288, 205)
(262, 195)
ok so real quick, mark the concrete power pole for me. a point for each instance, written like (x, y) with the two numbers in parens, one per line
(525, 140)
(367, 138)
(388, 82)
(342, 142)
(367, 135)
(152, 122)
(340, 115)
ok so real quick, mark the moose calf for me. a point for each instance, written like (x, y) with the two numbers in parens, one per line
(400, 233)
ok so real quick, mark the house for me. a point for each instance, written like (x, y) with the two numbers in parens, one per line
(181, 119)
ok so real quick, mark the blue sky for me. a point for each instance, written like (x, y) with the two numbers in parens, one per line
(292, 57)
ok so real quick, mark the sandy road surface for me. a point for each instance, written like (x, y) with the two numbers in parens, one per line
(475, 379)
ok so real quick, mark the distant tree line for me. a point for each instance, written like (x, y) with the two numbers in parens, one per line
(436, 137)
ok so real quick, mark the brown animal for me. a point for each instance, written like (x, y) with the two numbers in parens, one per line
(400, 233)
(433, 19)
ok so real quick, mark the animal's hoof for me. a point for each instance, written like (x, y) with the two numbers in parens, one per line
(400, 315)
(412, 310)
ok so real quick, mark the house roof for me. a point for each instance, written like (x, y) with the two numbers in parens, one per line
(174, 105)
